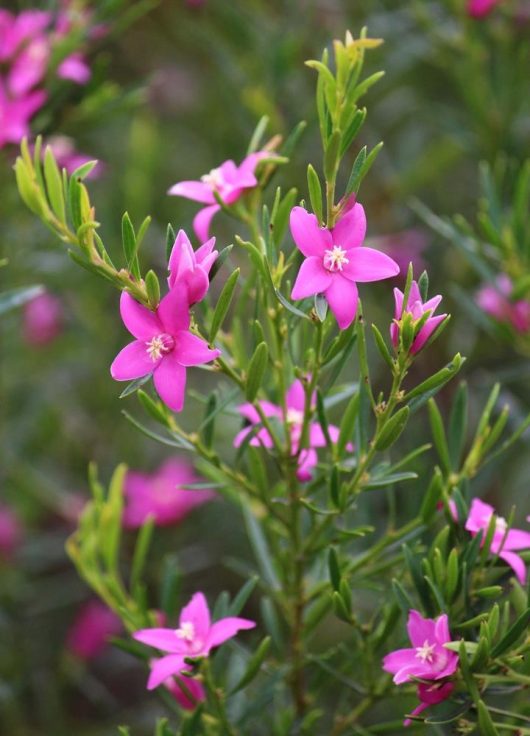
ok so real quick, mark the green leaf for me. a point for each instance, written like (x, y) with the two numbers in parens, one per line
(315, 192)
(129, 244)
(425, 390)
(347, 424)
(512, 635)
(334, 568)
(484, 721)
(170, 242)
(254, 665)
(141, 550)
(256, 371)
(452, 575)
(134, 385)
(54, 185)
(152, 286)
(84, 170)
(438, 432)
(223, 303)
(208, 423)
(257, 135)
(392, 429)
(155, 409)
(290, 308)
(261, 549)
(331, 156)
(458, 425)
(321, 307)
(382, 347)
(242, 597)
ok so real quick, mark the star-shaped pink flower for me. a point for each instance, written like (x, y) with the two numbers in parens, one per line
(191, 268)
(164, 346)
(335, 260)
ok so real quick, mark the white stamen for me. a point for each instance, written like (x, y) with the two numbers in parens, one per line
(186, 631)
(213, 179)
(159, 346)
(294, 416)
(426, 652)
(335, 259)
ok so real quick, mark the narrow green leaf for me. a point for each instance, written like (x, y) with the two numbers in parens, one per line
(392, 429)
(315, 192)
(256, 371)
(254, 665)
(439, 436)
(223, 303)
(54, 185)
(152, 286)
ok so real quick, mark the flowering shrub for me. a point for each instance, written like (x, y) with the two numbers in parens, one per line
(298, 474)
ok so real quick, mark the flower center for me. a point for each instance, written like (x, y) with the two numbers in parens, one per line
(295, 416)
(159, 345)
(426, 652)
(186, 631)
(501, 525)
(335, 259)
(213, 179)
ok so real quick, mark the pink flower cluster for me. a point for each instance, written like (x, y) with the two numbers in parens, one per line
(428, 660)
(496, 301)
(164, 346)
(417, 309)
(294, 416)
(195, 637)
(27, 41)
(90, 631)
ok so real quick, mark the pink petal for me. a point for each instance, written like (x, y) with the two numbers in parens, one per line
(426, 331)
(350, 230)
(139, 320)
(517, 539)
(516, 563)
(181, 246)
(309, 237)
(173, 311)
(74, 68)
(441, 629)
(250, 412)
(316, 435)
(395, 661)
(342, 297)
(312, 279)
(197, 613)
(306, 463)
(163, 639)
(195, 190)
(206, 255)
(295, 397)
(192, 350)
(203, 219)
(420, 629)
(226, 628)
(165, 667)
(398, 299)
(170, 382)
(367, 264)
(132, 362)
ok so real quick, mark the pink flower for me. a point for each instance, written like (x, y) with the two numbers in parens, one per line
(178, 685)
(68, 158)
(10, 532)
(15, 114)
(159, 495)
(481, 8)
(404, 247)
(42, 319)
(417, 309)
(163, 346)
(335, 261)
(18, 29)
(503, 544)
(430, 695)
(91, 629)
(75, 68)
(229, 181)
(190, 267)
(295, 402)
(29, 67)
(196, 636)
(495, 301)
(428, 660)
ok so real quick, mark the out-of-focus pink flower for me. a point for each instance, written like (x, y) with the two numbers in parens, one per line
(15, 114)
(164, 346)
(295, 404)
(29, 67)
(504, 544)
(417, 309)
(42, 319)
(181, 688)
(191, 268)
(335, 260)
(10, 532)
(229, 181)
(94, 624)
(481, 8)
(495, 300)
(195, 636)
(74, 68)
(18, 29)
(407, 246)
(427, 660)
(68, 158)
(160, 495)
